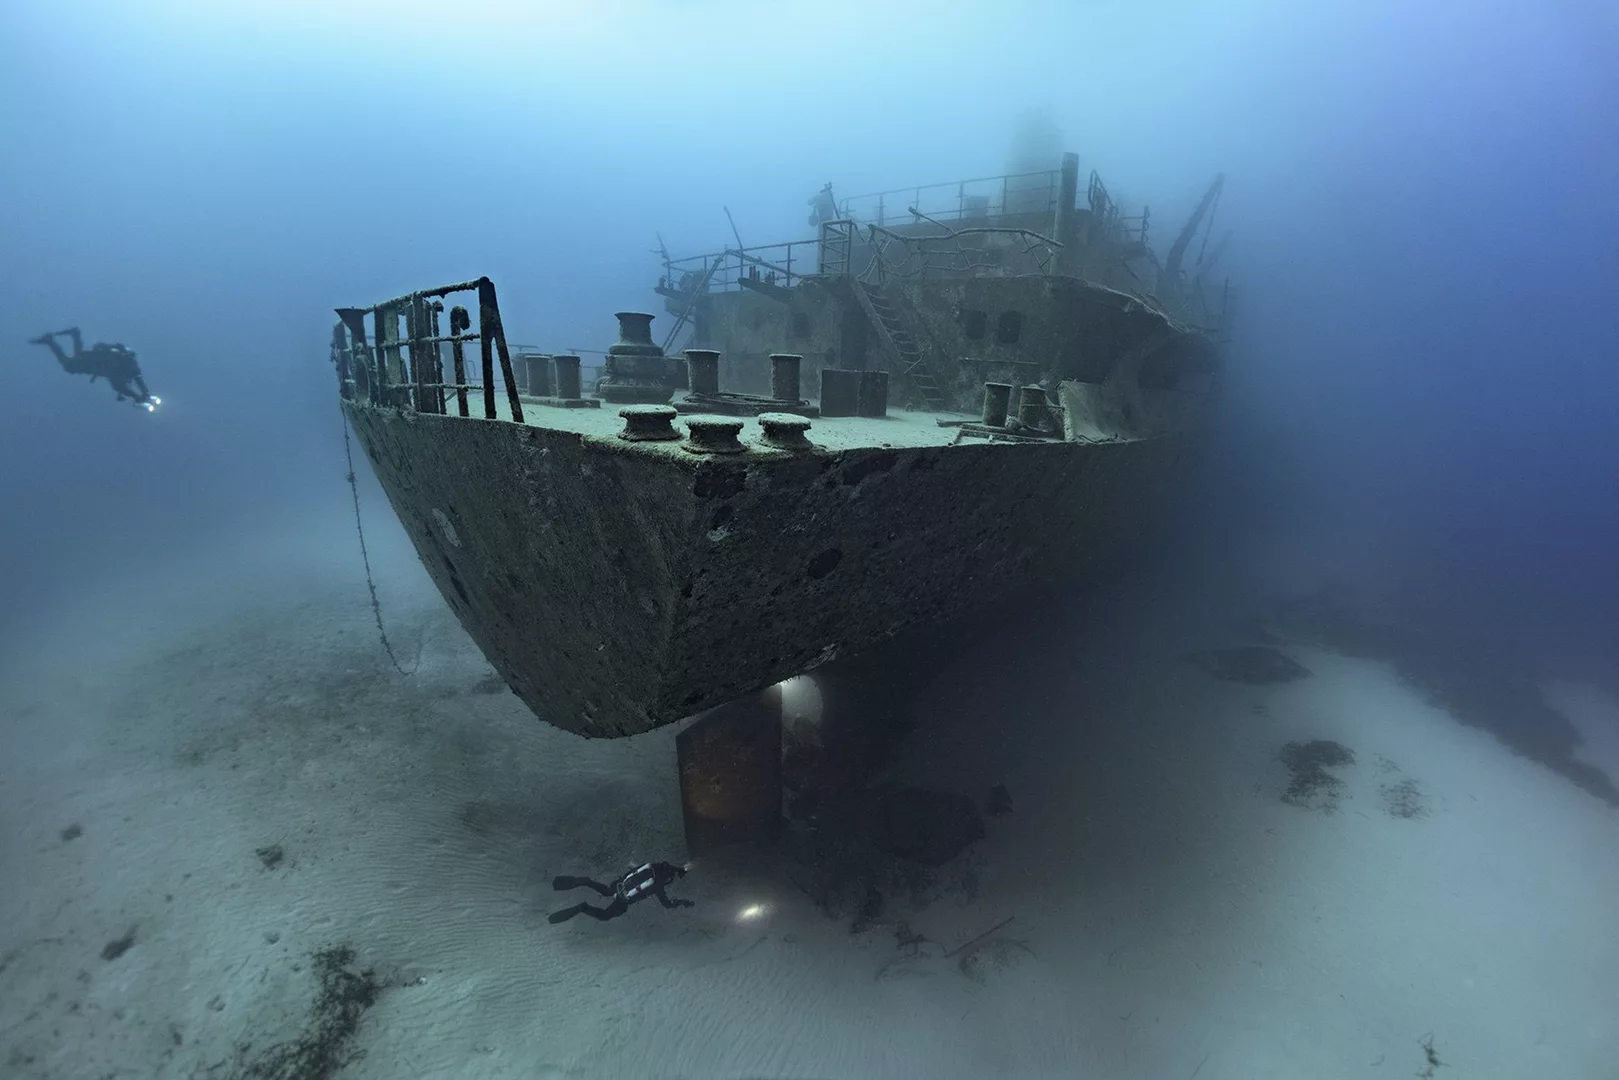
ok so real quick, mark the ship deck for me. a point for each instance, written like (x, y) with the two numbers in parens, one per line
(898, 430)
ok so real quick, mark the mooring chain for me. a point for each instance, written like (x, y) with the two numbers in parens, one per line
(370, 583)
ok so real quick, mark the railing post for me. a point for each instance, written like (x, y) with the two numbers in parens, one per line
(434, 309)
(460, 323)
(413, 372)
(486, 357)
(489, 327)
(360, 353)
(345, 388)
(395, 378)
(1065, 225)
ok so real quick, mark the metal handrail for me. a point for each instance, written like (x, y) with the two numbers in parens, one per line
(416, 356)
(723, 270)
(919, 260)
(1051, 184)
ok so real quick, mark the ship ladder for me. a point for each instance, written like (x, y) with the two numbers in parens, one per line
(698, 289)
(912, 361)
(837, 247)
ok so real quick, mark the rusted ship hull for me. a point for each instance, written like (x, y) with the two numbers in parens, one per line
(617, 589)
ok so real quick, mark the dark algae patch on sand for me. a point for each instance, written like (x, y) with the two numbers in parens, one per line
(1479, 683)
(324, 1046)
(118, 946)
(1431, 1063)
(1404, 799)
(1310, 785)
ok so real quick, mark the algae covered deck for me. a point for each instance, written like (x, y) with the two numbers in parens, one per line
(900, 429)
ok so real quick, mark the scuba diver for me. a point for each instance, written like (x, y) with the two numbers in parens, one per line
(648, 879)
(115, 363)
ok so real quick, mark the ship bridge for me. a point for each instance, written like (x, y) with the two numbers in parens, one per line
(1017, 279)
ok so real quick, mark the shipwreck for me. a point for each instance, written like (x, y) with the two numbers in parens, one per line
(942, 397)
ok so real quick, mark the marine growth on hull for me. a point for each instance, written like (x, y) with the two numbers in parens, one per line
(941, 397)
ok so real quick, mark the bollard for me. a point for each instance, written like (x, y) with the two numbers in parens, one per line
(703, 366)
(714, 435)
(997, 399)
(873, 393)
(539, 375)
(785, 431)
(567, 376)
(1034, 409)
(635, 371)
(635, 328)
(648, 423)
(784, 376)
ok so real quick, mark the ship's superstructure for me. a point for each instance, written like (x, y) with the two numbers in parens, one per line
(1007, 279)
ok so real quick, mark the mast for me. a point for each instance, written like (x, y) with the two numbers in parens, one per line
(1177, 253)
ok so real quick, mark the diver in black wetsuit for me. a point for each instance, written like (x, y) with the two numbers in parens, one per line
(648, 879)
(115, 363)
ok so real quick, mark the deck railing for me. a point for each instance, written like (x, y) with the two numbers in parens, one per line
(846, 247)
(949, 253)
(1019, 193)
(941, 236)
(739, 268)
(865, 233)
(1114, 223)
(392, 353)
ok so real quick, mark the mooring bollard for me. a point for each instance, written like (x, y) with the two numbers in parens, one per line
(1034, 408)
(873, 393)
(567, 376)
(539, 375)
(648, 423)
(785, 431)
(784, 376)
(635, 371)
(997, 399)
(714, 435)
(703, 371)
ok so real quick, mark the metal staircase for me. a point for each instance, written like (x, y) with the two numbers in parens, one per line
(837, 247)
(884, 313)
(689, 308)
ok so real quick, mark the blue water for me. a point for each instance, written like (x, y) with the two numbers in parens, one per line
(1421, 394)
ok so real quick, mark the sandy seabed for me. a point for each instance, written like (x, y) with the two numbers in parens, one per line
(236, 843)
